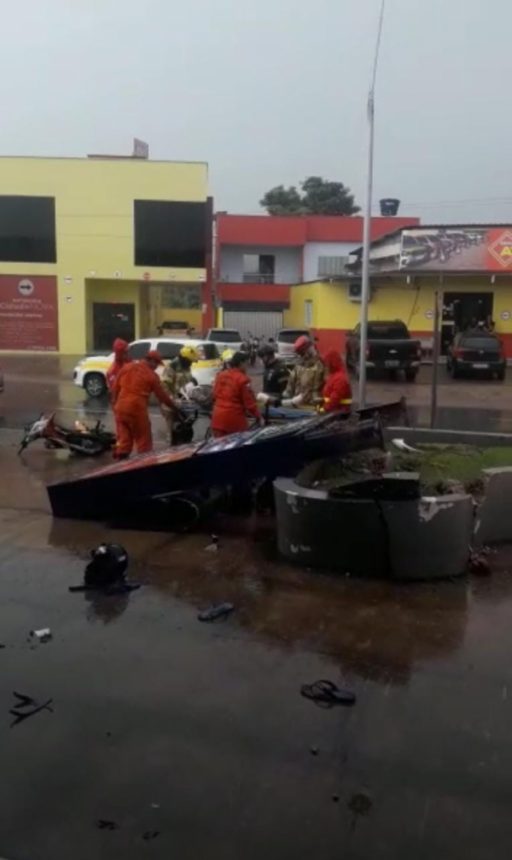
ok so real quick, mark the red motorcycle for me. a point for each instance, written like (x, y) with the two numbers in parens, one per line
(82, 440)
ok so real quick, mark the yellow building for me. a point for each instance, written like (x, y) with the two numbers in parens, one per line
(100, 247)
(469, 267)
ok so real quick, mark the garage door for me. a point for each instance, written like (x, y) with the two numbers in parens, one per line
(262, 324)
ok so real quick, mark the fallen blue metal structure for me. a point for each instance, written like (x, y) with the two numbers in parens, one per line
(240, 458)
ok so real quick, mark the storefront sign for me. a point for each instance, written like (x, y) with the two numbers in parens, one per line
(28, 313)
(446, 249)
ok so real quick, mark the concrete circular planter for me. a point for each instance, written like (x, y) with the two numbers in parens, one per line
(410, 539)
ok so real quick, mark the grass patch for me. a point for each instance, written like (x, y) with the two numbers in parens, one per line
(441, 467)
(456, 462)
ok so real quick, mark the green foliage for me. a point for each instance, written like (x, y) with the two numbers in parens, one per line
(319, 197)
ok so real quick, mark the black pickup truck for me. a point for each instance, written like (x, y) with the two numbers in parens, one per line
(390, 348)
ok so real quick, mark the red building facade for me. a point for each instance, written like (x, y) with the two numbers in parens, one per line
(258, 258)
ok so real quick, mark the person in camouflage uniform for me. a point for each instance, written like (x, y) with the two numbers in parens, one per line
(177, 375)
(307, 378)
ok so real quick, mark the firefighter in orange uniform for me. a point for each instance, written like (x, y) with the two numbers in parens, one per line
(233, 398)
(132, 390)
(121, 357)
(337, 391)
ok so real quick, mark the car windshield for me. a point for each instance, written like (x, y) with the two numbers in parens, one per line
(488, 343)
(387, 331)
(291, 335)
(207, 351)
(139, 349)
(225, 335)
(168, 350)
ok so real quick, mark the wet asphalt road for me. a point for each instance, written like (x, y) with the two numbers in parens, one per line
(197, 735)
(45, 383)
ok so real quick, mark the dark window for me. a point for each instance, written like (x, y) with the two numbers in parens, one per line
(27, 230)
(139, 349)
(259, 268)
(387, 331)
(290, 335)
(491, 344)
(170, 234)
(168, 350)
(207, 351)
(225, 335)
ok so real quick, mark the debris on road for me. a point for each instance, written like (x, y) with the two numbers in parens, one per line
(108, 565)
(325, 694)
(360, 803)
(214, 545)
(150, 834)
(106, 572)
(104, 824)
(148, 480)
(479, 564)
(26, 706)
(402, 445)
(221, 610)
(43, 635)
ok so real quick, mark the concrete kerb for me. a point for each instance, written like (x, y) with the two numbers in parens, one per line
(494, 516)
(423, 435)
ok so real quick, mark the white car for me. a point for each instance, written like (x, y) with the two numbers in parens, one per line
(91, 372)
(225, 338)
(285, 342)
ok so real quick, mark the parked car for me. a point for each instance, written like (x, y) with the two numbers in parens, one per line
(225, 338)
(285, 340)
(2, 386)
(90, 373)
(474, 353)
(390, 348)
(174, 328)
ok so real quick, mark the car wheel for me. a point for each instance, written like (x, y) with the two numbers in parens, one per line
(95, 385)
(501, 374)
(455, 373)
(410, 375)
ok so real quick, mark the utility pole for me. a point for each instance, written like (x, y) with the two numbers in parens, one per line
(365, 275)
(436, 349)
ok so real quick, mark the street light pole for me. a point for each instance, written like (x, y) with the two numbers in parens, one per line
(365, 274)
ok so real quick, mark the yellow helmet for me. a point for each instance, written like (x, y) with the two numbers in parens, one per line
(189, 352)
(227, 355)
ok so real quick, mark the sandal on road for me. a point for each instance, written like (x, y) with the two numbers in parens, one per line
(326, 694)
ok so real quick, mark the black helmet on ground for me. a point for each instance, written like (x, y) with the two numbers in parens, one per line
(107, 566)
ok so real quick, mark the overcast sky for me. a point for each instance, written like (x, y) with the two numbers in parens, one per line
(271, 91)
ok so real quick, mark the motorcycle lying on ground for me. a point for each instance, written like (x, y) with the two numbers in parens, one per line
(82, 440)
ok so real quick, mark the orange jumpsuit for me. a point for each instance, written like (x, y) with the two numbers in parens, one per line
(233, 398)
(337, 391)
(133, 388)
(121, 358)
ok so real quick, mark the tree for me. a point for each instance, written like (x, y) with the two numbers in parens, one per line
(282, 201)
(319, 197)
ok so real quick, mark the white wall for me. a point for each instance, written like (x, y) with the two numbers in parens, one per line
(314, 250)
(287, 263)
